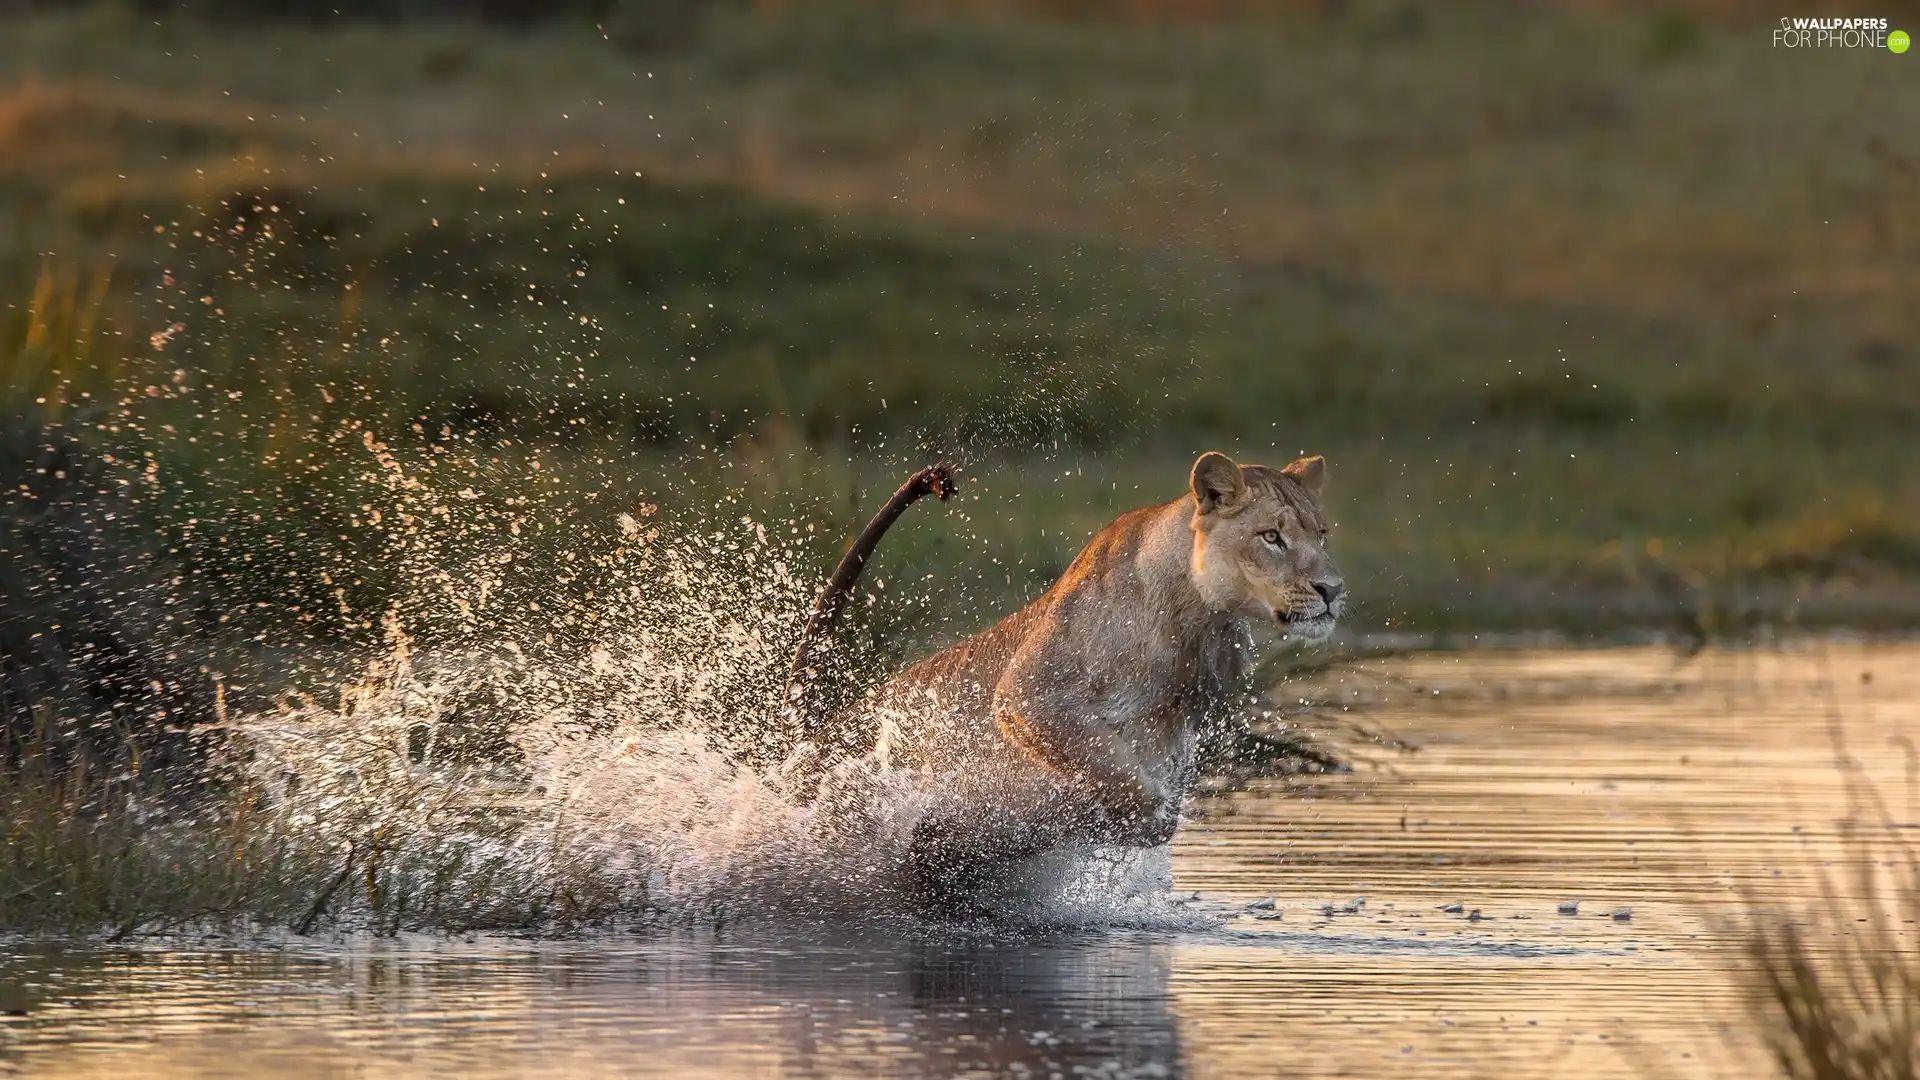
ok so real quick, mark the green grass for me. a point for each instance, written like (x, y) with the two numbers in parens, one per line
(1586, 348)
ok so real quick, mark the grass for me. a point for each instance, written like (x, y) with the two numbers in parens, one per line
(112, 847)
(1835, 989)
(1332, 143)
(1849, 1017)
(1593, 356)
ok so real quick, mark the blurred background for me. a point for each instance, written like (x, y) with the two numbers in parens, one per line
(317, 310)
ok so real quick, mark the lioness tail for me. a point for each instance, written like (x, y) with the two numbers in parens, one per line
(802, 719)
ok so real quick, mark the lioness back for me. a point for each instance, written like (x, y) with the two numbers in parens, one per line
(940, 709)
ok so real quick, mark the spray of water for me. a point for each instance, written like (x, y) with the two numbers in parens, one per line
(599, 753)
(464, 686)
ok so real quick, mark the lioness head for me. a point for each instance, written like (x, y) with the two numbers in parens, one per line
(1260, 544)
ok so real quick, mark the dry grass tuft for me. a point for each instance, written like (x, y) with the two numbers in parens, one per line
(1836, 990)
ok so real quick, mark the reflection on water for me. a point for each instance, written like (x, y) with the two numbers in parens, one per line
(1655, 793)
(807, 1003)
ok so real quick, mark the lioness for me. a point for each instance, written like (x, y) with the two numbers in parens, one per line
(1076, 717)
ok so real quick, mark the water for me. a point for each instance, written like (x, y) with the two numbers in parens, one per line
(1689, 791)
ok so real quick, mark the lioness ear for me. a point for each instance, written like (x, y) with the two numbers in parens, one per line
(1216, 482)
(1308, 472)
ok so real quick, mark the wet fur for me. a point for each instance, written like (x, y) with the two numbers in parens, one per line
(1076, 716)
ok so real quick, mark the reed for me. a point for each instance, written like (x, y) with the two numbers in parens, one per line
(1834, 988)
(103, 847)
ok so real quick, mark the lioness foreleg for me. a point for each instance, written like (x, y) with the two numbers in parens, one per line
(1122, 805)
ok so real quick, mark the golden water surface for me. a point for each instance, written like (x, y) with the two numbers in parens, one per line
(1670, 798)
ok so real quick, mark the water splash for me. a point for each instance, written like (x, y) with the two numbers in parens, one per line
(592, 761)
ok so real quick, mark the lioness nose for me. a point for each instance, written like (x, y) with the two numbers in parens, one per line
(1329, 590)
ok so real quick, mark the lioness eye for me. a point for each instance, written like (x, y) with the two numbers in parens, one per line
(1272, 536)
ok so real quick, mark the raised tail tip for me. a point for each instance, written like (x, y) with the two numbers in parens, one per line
(937, 480)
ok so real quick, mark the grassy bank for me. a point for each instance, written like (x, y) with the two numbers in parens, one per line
(1586, 350)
